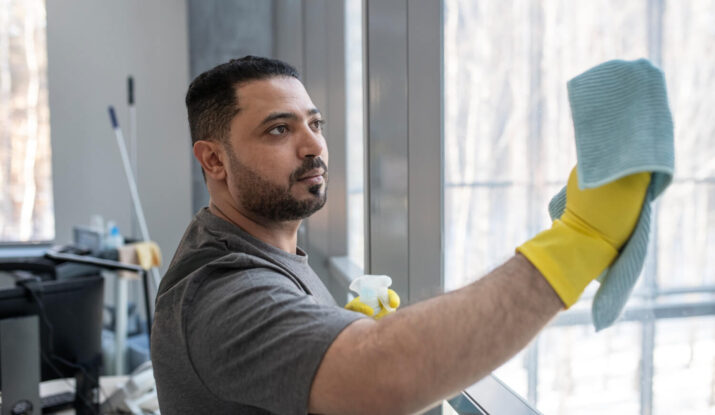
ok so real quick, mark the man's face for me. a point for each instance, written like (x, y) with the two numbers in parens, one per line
(277, 156)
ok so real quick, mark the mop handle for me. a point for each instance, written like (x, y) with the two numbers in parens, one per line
(132, 184)
(130, 175)
(130, 90)
(132, 138)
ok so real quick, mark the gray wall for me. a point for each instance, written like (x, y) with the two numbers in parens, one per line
(220, 30)
(92, 47)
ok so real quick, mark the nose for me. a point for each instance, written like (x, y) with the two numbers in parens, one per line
(312, 144)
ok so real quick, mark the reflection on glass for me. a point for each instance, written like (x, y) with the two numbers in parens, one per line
(355, 181)
(509, 147)
(26, 204)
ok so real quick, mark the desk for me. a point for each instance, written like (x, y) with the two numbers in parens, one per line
(107, 385)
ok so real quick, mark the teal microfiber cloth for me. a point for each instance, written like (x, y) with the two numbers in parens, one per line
(623, 125)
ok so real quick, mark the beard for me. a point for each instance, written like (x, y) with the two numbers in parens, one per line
(274, 202)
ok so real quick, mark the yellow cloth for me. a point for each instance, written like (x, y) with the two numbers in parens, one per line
(148, 254)
(360, 307)
(145, 254)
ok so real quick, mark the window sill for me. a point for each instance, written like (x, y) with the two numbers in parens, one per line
(343, 270)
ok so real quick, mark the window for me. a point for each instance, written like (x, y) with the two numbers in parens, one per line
(26, 209)
(354, 132)
(509, 148)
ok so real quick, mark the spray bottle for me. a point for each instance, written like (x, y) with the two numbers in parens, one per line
(372, 290)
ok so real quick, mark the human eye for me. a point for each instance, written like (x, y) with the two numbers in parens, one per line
(318, 124)
(278, 130)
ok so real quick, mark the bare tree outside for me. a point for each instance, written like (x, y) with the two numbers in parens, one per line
(26, 205)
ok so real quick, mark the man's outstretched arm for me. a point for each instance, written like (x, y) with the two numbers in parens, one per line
(430, 351)
(434, 349)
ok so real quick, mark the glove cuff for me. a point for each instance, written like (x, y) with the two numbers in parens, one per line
(568, 259)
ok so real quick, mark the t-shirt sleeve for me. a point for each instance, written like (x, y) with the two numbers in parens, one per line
(256, 339)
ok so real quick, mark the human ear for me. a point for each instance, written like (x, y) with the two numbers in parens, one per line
(209, 155)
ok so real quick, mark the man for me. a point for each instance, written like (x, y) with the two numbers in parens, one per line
(243, 325)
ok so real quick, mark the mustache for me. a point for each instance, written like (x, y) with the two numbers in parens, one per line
(308, 165)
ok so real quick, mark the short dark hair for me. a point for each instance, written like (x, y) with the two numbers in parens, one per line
(211, 100)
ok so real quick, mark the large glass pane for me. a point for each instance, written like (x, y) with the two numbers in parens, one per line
(355, 140)
(509, 147)
(507, 119)
(26, 209)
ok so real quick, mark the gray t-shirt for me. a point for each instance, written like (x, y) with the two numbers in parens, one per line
(240, 326)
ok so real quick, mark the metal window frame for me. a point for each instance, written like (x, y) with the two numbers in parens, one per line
(404, 153)
(403, 143)
(310, 34)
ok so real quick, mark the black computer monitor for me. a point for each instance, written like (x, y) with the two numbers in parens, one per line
(70, 328)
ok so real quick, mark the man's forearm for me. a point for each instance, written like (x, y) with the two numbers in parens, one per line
(433, 349)
(462, 336)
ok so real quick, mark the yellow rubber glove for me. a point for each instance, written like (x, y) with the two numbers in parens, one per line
(360, 307)
(585, 241)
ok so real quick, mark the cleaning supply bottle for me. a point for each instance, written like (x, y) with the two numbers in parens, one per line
(114, 238)
(372, 290)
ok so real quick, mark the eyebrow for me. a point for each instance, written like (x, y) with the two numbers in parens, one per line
(286, 115)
